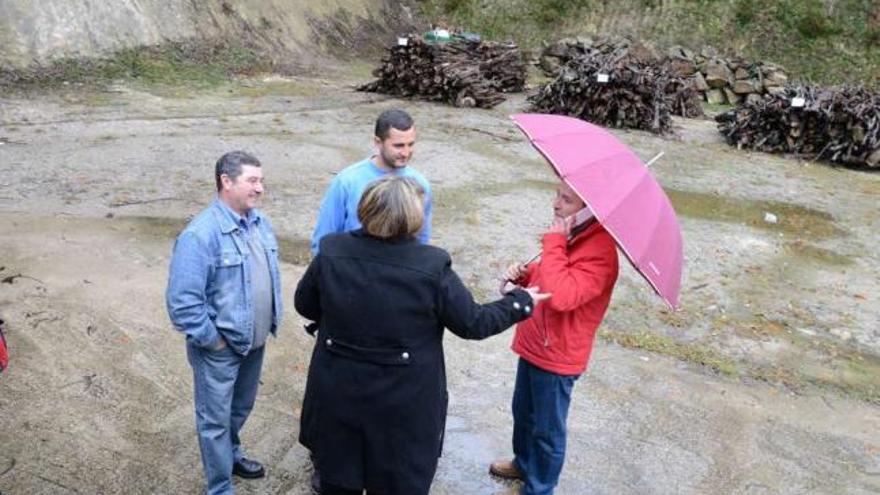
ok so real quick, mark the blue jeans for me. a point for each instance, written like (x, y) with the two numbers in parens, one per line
(225, 389)
(540, 410)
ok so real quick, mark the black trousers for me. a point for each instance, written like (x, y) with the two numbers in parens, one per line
(328, 489)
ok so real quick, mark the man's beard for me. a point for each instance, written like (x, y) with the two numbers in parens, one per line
(391, 162)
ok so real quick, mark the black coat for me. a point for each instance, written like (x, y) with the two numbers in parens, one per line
(375, 402)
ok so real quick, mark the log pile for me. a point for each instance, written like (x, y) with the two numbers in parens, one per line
(840, 125)
(610, 92)
(719, 80)
(460, 72)
(557, 54)
(682, 95)
(681, 92)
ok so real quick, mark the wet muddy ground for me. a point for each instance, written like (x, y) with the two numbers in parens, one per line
(767, 380)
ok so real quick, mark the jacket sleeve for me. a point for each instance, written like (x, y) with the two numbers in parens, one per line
(186, 297)
(469, 320)
(575, 282)
(331, 216)
(307, 298)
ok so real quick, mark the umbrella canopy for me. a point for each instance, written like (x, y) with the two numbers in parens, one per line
(619, 190)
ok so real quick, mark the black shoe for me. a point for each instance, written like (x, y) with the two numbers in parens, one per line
(249, 469)
(316, 482)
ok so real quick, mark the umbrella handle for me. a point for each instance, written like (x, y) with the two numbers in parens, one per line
(532, 259)
(503, 287)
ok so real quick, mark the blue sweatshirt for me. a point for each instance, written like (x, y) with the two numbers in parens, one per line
(339, 207)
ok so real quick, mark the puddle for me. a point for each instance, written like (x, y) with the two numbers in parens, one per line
(853, 375)
(294, 250)
(489, 148)
(277, 88)
(152, 226)
(815, 254)
(792, 218)
(460, 204)
(462, 195)
(466, 454)
(872, 188)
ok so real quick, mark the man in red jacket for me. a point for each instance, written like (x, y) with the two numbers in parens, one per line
(579, 268)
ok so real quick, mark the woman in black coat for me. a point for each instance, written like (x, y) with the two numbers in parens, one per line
(375, 403)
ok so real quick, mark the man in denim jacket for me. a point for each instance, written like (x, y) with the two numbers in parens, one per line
(224, 294)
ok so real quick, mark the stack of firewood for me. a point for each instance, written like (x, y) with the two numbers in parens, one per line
(682, 94)
(459, 72)
(840, 125)
(611, 92)
(556, 54)
(719, 80)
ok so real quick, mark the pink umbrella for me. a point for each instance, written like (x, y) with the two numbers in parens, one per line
(620, 192)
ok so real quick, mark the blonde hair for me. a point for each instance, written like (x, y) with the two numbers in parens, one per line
(392, 207)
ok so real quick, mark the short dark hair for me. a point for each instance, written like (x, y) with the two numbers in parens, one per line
(231, 163)
(395, 118)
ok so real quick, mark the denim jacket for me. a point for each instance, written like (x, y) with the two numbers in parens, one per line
(209, 285)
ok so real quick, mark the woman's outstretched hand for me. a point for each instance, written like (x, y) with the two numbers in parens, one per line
(537, 295)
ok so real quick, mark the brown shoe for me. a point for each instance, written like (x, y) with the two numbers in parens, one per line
(505, 469)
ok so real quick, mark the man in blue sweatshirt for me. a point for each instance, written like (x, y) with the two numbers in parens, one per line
(395, 138)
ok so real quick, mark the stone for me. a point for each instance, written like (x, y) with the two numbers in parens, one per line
(715, 97)
(644, 52)
(777, 78)
(584, 41)
(559, 48)
(678, 51)
(732, 98)
(682, 66)
(700, 82)
(873, 159)
(747, 86)
(549, 64)
(709, 52)
(717, 74)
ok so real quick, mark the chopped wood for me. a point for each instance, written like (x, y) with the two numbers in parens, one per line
(636, 94)
(461, 72)
(835, 124)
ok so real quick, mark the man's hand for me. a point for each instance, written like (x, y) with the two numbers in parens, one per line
(220, 345)
(515, 272)
(561, 225)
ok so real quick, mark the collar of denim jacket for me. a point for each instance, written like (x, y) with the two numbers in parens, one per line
(231, 221)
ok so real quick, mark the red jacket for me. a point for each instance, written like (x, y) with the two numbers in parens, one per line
(580, 275)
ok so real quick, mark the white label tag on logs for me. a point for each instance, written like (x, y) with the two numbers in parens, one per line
(602, 78)
(402, 41)
(798, 102)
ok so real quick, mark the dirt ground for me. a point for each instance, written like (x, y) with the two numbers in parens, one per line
(767, 381)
